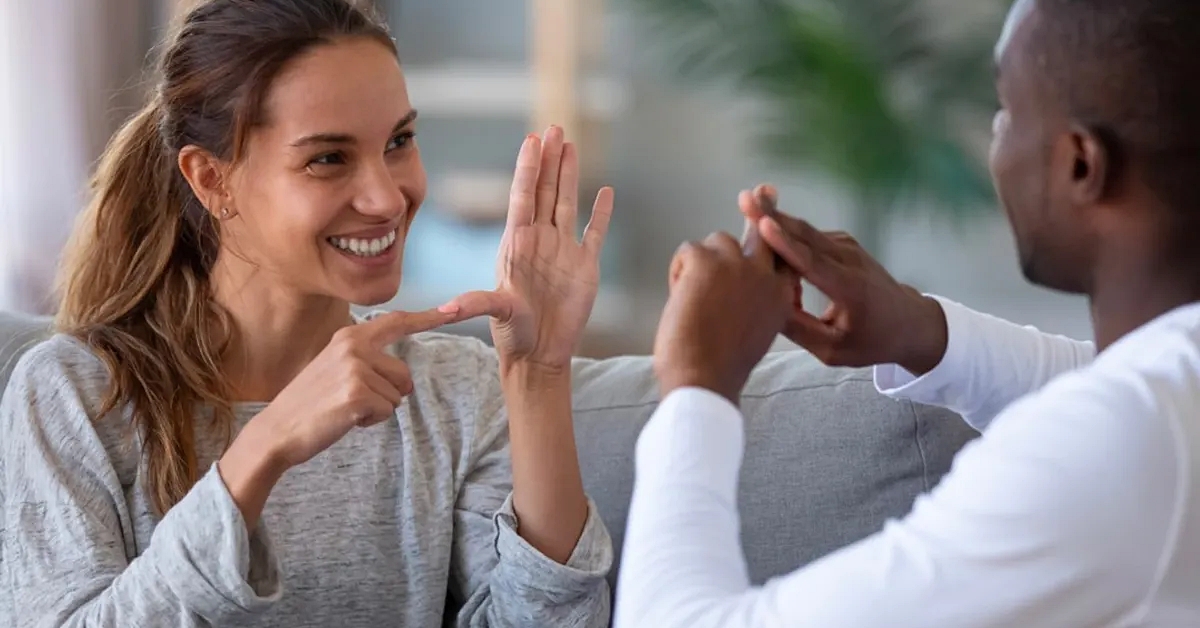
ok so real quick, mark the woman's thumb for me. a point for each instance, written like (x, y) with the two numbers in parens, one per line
(497, 304)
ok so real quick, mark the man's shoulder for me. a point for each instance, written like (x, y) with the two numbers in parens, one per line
(1153, 370)
(1128, 412)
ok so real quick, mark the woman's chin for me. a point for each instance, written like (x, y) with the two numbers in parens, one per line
(377, 292)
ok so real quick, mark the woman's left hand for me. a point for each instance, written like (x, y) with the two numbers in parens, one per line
(546, 277)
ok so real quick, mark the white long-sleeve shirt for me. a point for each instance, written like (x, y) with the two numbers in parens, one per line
(1075, 507)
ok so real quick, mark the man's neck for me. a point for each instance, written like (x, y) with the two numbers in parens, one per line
(278, 332)
(1127, 295)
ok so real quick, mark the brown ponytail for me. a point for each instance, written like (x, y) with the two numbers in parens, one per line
(135, 288)
(135, 280)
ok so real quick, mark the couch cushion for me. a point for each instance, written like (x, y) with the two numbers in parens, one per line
(828, 460)
(17, 334)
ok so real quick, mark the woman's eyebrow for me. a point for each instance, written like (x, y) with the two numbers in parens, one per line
(346, 138)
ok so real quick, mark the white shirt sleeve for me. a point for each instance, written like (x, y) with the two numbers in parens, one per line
(989, 363)
(1023, 532)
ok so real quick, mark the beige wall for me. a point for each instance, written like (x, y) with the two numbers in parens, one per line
(65, 85)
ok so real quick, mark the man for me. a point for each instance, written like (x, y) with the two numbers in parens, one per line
(1079, 505)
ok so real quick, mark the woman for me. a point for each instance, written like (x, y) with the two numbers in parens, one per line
(207, 359)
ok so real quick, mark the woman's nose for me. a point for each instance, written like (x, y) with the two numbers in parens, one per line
(382, 194)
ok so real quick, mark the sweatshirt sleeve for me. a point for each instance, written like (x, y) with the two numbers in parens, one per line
(69, 557)
(989, 363)
(501, 578)
(1040, 525)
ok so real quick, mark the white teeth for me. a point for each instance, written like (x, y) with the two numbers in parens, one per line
(364, 247)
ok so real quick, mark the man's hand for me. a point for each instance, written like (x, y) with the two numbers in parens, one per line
(725, 308)
(873, 319)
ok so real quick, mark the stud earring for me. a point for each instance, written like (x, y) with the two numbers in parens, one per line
(224, 213)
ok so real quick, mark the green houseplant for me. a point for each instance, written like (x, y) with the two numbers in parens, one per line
(868, 93)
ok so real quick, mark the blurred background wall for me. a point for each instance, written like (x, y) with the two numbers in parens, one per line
(679, 105)
(66, 67)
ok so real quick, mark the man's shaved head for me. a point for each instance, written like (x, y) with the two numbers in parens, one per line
(1099, 132)
(1130, 70)
(1017, 15)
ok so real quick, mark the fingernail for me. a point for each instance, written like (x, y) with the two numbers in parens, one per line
(449, 308)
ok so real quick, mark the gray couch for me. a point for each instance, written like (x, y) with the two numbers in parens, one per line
(827, 460)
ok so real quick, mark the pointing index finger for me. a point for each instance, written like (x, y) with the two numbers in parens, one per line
(811, 257)
(801, 230)
(387, 328)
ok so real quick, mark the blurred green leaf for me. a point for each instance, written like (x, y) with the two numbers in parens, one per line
(866, 91)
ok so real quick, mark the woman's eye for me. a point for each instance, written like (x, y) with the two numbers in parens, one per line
(400, 141)
(329, 159)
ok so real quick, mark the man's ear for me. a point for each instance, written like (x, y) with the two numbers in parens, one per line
(205, 173)
(1092, 165)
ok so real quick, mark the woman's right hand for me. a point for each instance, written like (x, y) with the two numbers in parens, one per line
(352, 383)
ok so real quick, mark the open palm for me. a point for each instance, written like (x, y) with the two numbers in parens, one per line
(546, 278)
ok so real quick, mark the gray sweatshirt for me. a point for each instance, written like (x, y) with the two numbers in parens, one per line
(407, 523)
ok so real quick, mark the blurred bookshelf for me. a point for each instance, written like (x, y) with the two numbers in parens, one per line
(480, 89)
(548, 68)
(477, 100)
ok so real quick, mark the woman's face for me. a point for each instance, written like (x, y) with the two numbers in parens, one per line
(331, 180)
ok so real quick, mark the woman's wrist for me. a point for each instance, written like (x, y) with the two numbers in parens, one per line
(548, 495)
(250, 468)
(533, 375)
(536, 389)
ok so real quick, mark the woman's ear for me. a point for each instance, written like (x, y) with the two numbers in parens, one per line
(205, 173)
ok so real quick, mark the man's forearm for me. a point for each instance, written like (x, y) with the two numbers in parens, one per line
(683, 564)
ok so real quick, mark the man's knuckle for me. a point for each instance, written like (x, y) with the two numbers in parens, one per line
(689, 251)
(723, 238)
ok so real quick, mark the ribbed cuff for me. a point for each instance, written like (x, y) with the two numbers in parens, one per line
(898, 383)
(205, 553)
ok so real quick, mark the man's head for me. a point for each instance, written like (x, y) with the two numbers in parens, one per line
(1097, 143)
